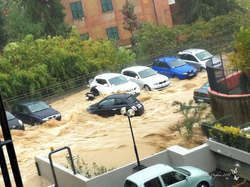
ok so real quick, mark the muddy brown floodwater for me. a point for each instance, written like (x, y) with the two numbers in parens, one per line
(106, 141)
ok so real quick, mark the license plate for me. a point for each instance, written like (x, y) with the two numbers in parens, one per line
(191, 74)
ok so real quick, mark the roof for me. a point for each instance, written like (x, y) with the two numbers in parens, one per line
(151, 172)
(121, 95)
(107, 75)
(28, 102)
(167, 59)
(192, 51)
(136, 68)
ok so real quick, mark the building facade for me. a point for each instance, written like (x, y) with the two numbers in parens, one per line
(104, 19)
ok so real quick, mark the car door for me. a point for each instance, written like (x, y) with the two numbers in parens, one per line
(166, 69)
(103, 86)
(174, 179)
(155, 182)
(190, 59)
(105, 107)
(22, 112)
(132, 76)
(119, 103)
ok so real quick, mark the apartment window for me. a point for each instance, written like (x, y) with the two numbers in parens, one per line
(113, 33)
(77, 11)
(84, 36)
(107, 5)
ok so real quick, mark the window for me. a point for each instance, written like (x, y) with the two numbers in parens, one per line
(163, 65)
(153, 183)
(113, 33)
(130, 184)
(101, 81)
(130, 74)
(120, 102)
(191, 58)
(77, 11)
(108, 102)
(107, 5)
(84, 36)
(172, 178)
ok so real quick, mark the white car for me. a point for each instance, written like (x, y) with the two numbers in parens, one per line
(161, 175)
(110, 83)
(198, 58)
(146, 77)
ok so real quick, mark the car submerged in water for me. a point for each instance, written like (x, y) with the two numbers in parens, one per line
(35, 112)
(174, 67)
(113, 104)
(13, 122)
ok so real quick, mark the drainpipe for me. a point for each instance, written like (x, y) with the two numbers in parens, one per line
(155, 13)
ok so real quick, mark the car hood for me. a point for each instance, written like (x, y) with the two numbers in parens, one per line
(183, 69)
(45, 113)
(128, 86)
(154, 79)
(195, 171)
(202, 90)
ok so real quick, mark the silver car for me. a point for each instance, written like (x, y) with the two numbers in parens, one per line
(198, 58)
(146, 77)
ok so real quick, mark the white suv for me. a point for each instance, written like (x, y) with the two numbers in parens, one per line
(198, 58)
(109, 83)
(146, 77)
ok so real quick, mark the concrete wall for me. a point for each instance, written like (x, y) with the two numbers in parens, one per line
(175, 156)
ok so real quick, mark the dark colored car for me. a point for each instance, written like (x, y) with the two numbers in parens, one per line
(13, 122)
(173, 66)
(201, 94)
(112, 105)
(34, 112)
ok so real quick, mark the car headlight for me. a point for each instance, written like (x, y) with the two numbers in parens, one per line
(184, 73)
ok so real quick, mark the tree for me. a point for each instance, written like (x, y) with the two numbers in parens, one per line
(130, 19)
(49, 13)
(3, 38)
(190, 11)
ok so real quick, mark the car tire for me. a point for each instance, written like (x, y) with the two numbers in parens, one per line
(95, 91)
(203, 184)
(147, 88)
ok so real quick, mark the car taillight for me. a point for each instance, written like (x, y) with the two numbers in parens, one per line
(196, 93)
(134, 108)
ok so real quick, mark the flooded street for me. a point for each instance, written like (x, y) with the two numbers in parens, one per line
(106, 141)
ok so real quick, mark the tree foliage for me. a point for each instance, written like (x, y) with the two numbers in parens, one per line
(215, 35)
(39, 63)
(240, 57)
(190, 11)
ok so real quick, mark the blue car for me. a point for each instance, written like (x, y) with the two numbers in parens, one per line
(34, 112)
(173, 66)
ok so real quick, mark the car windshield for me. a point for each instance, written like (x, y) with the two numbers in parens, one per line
(185, 172)
(118, 80)
(177, 63)
(206, 85)
(147, 73)
(131, 99)
(9, 116)
(204, 55)
(38, 106)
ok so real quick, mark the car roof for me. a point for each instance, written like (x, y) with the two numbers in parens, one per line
(167, 59)
(192, 51)
(136, 68)
(107, 75)
(120, 96)
(28, 102)
(149, 173)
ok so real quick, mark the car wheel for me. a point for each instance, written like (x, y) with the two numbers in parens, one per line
(95, 91)
(203, 184)
(147, 88)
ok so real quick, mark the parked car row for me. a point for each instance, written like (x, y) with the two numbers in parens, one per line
(132, 79)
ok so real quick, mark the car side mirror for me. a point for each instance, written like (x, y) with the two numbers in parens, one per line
(136, 77)
(106, 85)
